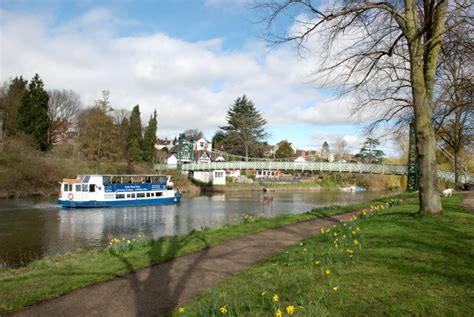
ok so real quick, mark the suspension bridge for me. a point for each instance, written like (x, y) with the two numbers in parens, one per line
(187, 163)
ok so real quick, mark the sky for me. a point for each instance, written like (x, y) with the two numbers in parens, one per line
(188, 59)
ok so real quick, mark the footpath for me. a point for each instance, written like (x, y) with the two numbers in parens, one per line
(155, 290)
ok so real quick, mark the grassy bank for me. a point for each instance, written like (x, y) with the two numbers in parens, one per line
(57, 275)
(393, 262)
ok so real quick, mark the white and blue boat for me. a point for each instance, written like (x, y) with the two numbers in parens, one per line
(117, 190)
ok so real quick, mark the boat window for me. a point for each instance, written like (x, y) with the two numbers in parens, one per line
(140, 195)
(162, 179)
(128, 195)
(84, 188)
(152, 194)
(85, 179)
(158, 194)
(65, 188)
(78, 187)
(133, 195)
(92, 188)
(147, 194)
(119, 196)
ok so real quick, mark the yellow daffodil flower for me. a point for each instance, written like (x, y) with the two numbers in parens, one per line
(278, 313)
(290, 309)
(334, 289)
(356, 242)
(181, 310)
(327, 272)
(276, 298)
(223, 309)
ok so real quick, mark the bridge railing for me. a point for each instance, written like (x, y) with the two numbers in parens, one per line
(310, 166)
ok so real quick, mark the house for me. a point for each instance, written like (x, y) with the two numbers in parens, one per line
(172, 160)
(168, 144)
(202, 157)
(203, 145)
(300, 159)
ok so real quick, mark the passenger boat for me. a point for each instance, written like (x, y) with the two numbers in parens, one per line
(117, 190)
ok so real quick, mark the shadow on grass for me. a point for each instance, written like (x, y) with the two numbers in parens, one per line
(158, 288)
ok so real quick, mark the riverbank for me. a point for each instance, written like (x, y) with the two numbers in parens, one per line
(39, 279)
(393, 262)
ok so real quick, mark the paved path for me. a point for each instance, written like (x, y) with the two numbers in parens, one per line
(157, 289)
(468, 200)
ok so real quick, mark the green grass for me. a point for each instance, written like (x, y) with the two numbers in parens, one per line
(404, 265)
(57, 275)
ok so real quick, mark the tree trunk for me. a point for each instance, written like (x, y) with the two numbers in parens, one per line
(457, 184)
(430, 202)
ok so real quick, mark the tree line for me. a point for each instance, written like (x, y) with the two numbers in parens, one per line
(51, 117)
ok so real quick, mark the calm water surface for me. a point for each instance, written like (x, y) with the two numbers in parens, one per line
(33, 229)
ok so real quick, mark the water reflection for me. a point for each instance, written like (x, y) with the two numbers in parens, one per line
(30, 228)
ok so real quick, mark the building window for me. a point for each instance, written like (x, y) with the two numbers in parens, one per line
(219, 174)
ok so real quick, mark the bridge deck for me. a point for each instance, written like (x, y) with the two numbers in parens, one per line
(311, 166)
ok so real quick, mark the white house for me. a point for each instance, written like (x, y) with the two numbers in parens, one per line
(203, 145)
(172, 160)
(300, 159)
(220, 158)
(218, 177)
(204, 158)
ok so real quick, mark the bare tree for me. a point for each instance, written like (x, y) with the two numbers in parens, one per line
(454, 112)
(63, 108)
(389, 37)
(340, 149)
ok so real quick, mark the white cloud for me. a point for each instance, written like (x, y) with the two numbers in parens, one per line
(191, 84)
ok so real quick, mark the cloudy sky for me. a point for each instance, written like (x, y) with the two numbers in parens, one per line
(187, 59)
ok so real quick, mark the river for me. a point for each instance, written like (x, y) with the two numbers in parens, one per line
(31, 229)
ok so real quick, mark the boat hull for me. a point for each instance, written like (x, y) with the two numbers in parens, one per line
(120, 203)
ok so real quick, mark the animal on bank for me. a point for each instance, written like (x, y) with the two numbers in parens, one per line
(448, 192)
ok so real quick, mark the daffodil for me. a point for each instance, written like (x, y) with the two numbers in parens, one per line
(278, 313)
(290, 309)
(223, 309)
(356, 242)
(304, 250)
(181, 310)
(334, 289)
(323, 230)
(317, 262)
(327, 272)
(301, 243)
(276, 298)
(129, 242)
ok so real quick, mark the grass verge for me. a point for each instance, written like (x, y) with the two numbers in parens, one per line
(57, 275)
(393, 262)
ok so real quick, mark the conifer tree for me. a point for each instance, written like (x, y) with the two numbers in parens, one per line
(135, 138)
(32, 116)
(245, 130)
(149, 139)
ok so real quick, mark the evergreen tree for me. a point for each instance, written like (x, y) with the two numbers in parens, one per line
(123, 136)
(325, 151)
(33, 116)
(135, 139)
(10, 103)
(285, 150)
(245, 130)
(369, 152)
(149, 139)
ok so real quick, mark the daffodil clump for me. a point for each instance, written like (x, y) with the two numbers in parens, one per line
(247, 218)
(127, 244)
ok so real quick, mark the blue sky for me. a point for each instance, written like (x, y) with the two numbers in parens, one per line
(187, 59)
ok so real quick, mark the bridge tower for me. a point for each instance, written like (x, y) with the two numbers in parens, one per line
(412, 164)
(185, 151)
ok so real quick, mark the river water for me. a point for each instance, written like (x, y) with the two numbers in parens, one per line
(32, 229)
